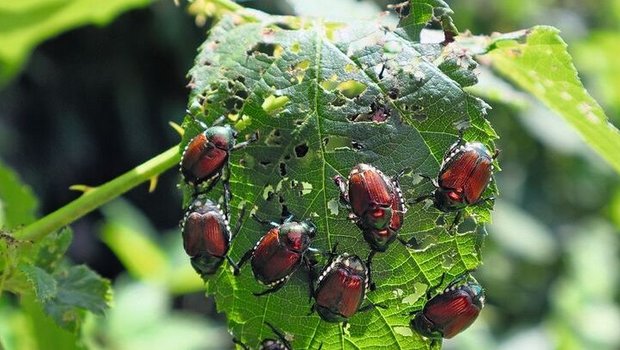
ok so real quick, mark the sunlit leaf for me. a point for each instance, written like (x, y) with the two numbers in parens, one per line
(26, 23)
(538, 62)
(355, 92)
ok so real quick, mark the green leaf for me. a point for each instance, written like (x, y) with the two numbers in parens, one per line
(26, 23)
(537, 61)
(44, 332)
(52, 248)
(143, 318)
(321, 132)
(416, 14)
(127, 231)
(596, 57)
(17, 202)
(44, 284)
(78, 289)
(131, 237)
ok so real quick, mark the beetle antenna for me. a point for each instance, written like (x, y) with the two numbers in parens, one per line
(263, 221)
(405, 170)
(420, 199)
(253, 138)
(219, 120)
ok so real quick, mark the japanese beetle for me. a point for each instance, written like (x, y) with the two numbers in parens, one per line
(376, 203)
(205, 158)
(270, 344)
(280, 252)
(341, 289)
(464, 174)
(207, 236)
(451, 311)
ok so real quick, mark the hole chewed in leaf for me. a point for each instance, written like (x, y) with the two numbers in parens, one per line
(262, 48)
(301, 150)
(282, 169)
(272, 104)
(393, 93)
(339, 102)
(330, 84)
(351, 88)
(379, 113)
(295, 48)
(357, 146)
(274, 138)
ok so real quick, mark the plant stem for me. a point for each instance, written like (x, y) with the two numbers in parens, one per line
(96, 197)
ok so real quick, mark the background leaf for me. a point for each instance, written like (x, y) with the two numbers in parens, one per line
(17, 202)
(78, 289)
(538, 62)
(24, 24)
(335, 77)
(44, 284)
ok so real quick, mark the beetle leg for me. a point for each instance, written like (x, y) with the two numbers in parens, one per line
(380, 75)
(243, 144)
(496, 153)
(420, 199)
(434, 288)
(238, 224)
(310, 258)
(225, 176)
(271, 290)
(312, 276)
(483, 200)
(280, 335)
(238, 342)
(234, 265)
(457, 218)
(332, 253)
(212, 183)
(411, 244)
(199, 122)
(312, 309)
(342, 187)
(371, 284)
(243, 260)
(460, 278)
(412, 313)
(371, 306)
(397, 177)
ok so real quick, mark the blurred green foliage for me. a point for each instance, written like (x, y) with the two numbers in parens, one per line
(26, 23)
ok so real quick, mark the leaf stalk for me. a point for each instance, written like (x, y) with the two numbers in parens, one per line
(100, 195)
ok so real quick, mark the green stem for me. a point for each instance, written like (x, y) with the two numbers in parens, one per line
(96, 197)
